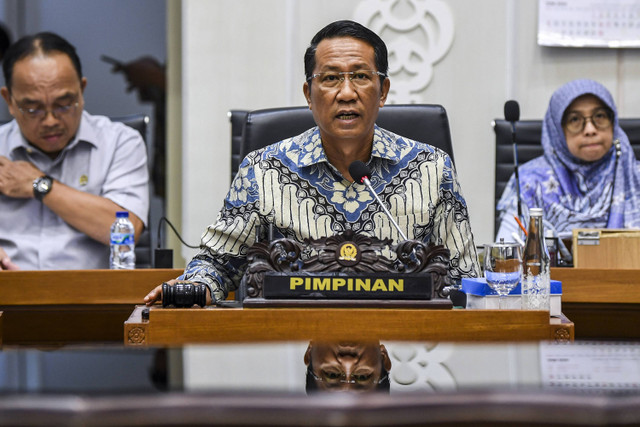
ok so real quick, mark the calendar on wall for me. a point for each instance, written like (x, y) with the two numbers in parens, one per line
(591, 366)
(589, 23)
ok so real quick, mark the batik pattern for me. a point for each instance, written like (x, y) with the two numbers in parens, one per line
(291, 187)
(571, 192)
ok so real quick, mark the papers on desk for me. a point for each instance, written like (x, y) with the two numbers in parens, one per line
(593, 367)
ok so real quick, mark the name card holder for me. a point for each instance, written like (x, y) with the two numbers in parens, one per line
(346, 270)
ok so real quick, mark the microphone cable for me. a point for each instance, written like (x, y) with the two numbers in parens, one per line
(175, 231)
(512, 115)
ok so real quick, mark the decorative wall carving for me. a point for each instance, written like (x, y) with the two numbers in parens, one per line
(421, 367)
(418, 34)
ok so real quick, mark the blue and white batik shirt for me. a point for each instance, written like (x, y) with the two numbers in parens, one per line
(291, 186)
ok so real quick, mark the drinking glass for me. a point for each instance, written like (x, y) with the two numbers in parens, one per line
(502, 267)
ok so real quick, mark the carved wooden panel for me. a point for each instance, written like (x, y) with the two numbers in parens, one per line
(347, 252)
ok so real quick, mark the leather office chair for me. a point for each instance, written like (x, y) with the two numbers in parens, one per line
(528, 135)
(144, 247)
(421, 122)
(237, 119)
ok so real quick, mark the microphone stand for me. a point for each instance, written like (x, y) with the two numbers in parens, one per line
(512, 115)
(515, 168)
(366, 182)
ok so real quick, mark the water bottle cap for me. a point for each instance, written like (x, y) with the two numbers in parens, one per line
(122, 214)
(535, 212)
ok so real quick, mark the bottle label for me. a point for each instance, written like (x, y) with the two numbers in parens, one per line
(122, 239)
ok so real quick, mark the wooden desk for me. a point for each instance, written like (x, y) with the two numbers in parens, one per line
(173, 326)
(72, 306)
(479, 406)
(604, 304)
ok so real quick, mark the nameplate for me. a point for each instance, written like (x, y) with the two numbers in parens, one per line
(348, 286)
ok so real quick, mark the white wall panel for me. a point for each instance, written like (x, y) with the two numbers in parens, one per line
(415, 366)
(249, 54)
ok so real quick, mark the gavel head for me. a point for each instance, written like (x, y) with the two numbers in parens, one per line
(183, 294)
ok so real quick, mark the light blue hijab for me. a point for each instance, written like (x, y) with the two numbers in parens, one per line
(574, 193)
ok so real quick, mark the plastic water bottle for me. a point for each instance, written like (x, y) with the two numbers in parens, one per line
(123, 255)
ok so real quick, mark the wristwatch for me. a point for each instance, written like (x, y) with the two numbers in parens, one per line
(42, 186)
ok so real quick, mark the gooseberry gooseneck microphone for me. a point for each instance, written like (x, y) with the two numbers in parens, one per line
(361, 173)
(512, 114)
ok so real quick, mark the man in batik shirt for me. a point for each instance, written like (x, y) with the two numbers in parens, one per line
(301, 186)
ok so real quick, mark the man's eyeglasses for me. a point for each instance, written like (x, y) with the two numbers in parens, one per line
(335, 378)
(575, 122)
(58, 111)
(333, 79)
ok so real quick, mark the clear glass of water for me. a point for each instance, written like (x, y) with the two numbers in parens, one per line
(502, 267)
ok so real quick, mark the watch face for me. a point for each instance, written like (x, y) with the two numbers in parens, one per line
(42, 186)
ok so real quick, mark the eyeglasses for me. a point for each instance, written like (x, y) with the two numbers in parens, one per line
(334, 378)
(575, 122)
(58, 111)
(333, 79)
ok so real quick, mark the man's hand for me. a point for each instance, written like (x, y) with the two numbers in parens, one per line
(156, 294)
(16, 178)
(6, 263)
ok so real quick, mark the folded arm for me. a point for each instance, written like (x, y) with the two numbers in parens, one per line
(89, 213)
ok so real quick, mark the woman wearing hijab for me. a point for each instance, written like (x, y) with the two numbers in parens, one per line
(588, 176)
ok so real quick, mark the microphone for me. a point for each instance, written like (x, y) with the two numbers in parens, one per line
(512, 114)
(511, 111)
(361, 173)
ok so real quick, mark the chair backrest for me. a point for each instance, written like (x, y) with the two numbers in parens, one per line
(139, 122)
(421, 122)
(144, 247)
(528, 141)
(237, 119)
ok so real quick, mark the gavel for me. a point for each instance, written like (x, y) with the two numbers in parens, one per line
(183, 295)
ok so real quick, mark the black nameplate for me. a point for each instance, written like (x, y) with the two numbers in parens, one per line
(348, 286)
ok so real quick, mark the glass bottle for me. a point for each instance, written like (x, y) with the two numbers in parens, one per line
(536, 276)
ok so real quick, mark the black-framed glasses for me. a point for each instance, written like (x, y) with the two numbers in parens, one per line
(575, 122)
(335, 378)
(361, 79)
(58, 111)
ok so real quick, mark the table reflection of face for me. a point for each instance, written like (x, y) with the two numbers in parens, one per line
(347, 366)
